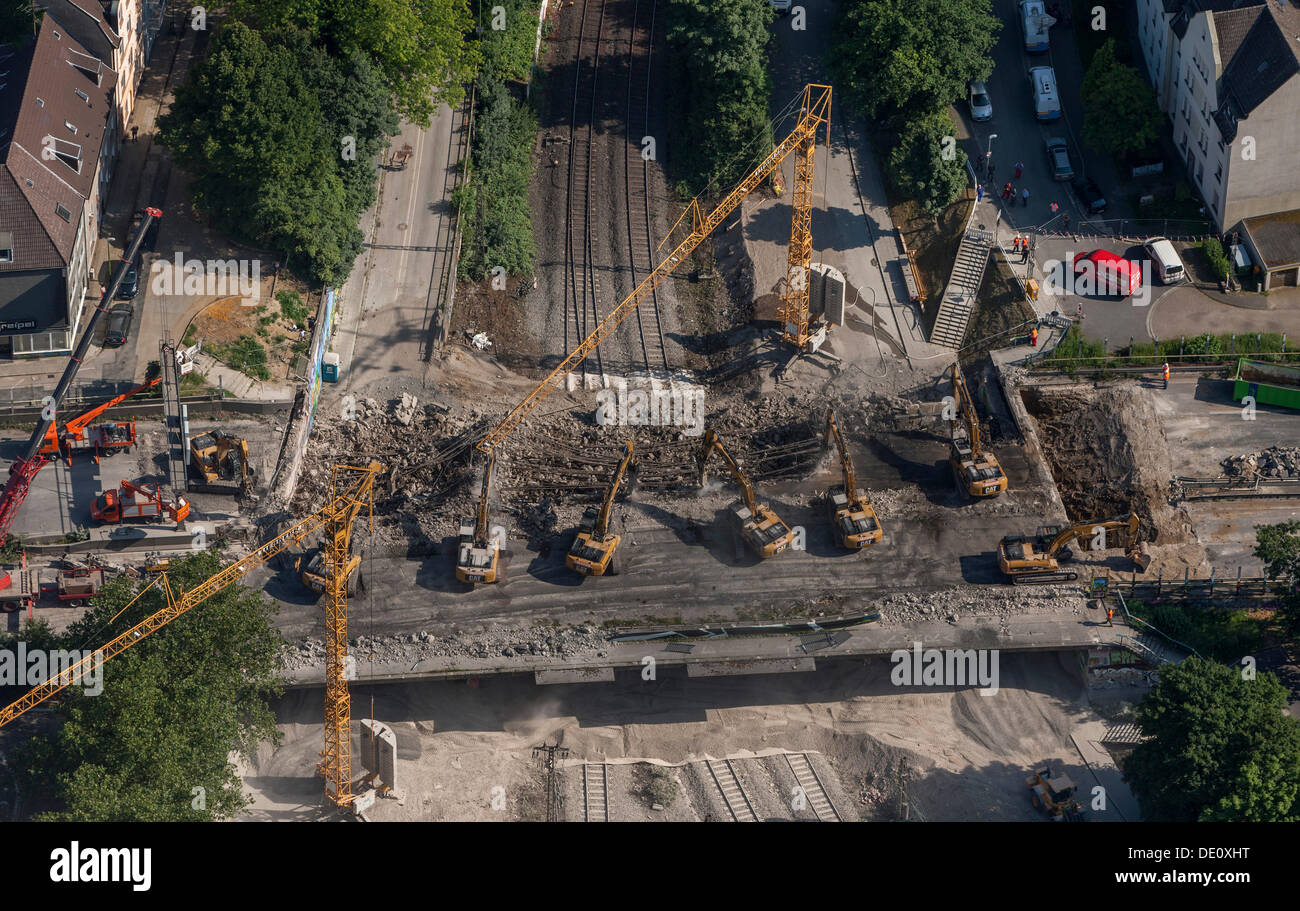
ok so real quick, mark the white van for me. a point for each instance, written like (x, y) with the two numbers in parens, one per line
(1034, 23)
(1164, 261)
(1042, 82)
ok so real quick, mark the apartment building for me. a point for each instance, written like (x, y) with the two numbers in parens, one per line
(1227, 73)
(58, 132)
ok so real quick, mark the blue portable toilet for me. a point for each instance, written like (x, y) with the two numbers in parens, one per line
(329, 367)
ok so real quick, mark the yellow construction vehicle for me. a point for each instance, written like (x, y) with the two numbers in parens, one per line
(220, 462)
(595, 548)
(851, 515)
(815, 113)
(351, 491)
(477, 556)
(1032, 559)
(760, 528)
(311, 572)
(1054, 795)
(975, 469)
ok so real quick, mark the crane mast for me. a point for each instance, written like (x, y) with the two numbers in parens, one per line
(815, 113)
(794, 300)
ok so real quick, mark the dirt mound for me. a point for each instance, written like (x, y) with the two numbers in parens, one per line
(1108, 454)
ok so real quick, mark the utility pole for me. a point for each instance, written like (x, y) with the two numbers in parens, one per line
(554, 800)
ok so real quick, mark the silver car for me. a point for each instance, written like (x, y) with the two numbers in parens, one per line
(981, 108)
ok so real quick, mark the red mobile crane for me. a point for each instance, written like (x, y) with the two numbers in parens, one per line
(78, 437)
(29, 464)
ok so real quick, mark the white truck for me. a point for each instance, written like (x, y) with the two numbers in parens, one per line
(1034, 23)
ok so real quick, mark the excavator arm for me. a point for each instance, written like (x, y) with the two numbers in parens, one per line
(816, 113)
(707, 446)
(607, 505)
(966, 408)
(481, 517)
(344, 506)
(1130, 522)
(846, 461)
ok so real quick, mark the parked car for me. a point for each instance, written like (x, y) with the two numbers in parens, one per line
(1106, 273)
(981, 107)
(781, 6)
(1058, 155)
(1089, 195)
(1164, 261)
(130, 284)
(119, 326)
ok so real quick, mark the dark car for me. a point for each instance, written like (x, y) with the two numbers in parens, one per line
(130, 284)
(1089, 195)
(1058, 155)
(119, 326)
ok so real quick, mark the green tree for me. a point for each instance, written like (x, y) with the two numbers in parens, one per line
(1279, 547)
(172, 710)
(926, 163)
(280, 138)
(1221, 747)
(720, 84)
(899, 60)
(1121, 115)
(508, 52)
(421, 47)
(16, 20)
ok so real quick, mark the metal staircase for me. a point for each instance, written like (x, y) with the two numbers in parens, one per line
(963, 286)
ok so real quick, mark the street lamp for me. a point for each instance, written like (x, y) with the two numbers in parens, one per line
(988, 150)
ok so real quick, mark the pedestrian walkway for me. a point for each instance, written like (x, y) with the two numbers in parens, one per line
(963, 288)
(241, 385)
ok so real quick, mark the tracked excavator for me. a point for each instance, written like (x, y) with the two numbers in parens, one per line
(1033, 559)
(756, 523)
(851, 514)
(477, 556)
(595, 547)
(220, 462)
(976, 470)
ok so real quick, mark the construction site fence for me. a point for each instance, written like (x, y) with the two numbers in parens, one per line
(1134, 229)
(1202, 591)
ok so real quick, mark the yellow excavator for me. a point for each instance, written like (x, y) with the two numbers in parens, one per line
(477, 556)
(1054, 795)
(220, 462)
(595, 547)
(763, 532)
(851, 515)
(1032, 559)
(975, 469)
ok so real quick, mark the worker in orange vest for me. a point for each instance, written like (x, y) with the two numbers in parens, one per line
(1033, 337)
(1166, 374)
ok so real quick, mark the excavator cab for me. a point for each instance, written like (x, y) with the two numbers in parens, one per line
(595, 549)
(1054, 795)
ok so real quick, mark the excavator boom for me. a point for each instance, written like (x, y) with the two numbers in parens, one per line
(852, 517)
(607, 504)
(966, 408)
(758, 524)
(81, 421)
(846, 461)
(707, 448)
(481, 517)
(816, 112)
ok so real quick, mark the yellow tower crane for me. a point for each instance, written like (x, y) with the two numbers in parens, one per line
(815, 114)
(794, 300)
(351, 491)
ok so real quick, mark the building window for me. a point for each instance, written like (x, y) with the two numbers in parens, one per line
(63, 213)
(40, 102)
(82, 95)
(71, 126)
(7, 254)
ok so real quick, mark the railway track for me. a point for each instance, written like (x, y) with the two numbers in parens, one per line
(636, 174)
(724, 776)
(595, 794)
(580, 282)
(804, 773)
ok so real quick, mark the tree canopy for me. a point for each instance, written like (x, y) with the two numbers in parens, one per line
(926, 164)
(720, 83)
(281, 140)
(155, 744)
(1279, 547)
(1221, 747)
(420, 47)
(901, 60)
(1121, 115)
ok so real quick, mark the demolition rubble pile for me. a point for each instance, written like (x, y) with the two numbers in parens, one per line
(1274, 462)
(409, 648)
(952, 604)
